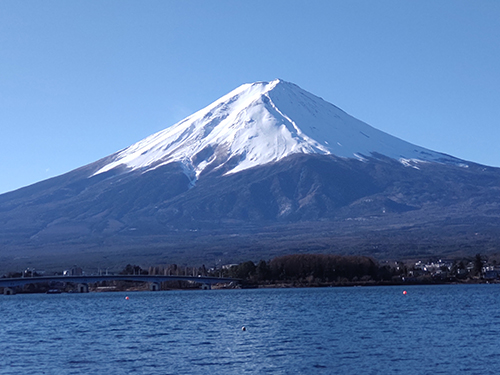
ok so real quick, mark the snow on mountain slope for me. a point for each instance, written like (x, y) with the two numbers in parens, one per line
(265, 122)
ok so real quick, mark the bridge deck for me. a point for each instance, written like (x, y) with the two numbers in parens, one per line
(9, 283)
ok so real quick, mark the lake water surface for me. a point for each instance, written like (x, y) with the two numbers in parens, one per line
(449, 329)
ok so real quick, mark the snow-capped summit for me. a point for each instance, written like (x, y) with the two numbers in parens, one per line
(264, 122)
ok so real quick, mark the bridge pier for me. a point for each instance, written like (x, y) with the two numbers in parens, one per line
(9, 291)
(83, 288)
(154, 286)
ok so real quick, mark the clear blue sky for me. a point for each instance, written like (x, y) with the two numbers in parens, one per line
(80, 80)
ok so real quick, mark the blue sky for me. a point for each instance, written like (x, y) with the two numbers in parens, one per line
(80, 80)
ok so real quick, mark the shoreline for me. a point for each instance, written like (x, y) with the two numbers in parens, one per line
(270, 285)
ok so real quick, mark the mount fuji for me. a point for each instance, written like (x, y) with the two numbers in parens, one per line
(267, 169)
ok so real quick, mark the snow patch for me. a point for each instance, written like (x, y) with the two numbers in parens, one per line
(409, 162)
(360, 157)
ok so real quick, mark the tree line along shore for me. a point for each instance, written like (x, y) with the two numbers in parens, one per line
(316, 270)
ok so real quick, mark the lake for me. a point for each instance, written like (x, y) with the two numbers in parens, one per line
(447, 329)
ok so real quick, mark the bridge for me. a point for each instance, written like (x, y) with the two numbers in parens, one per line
(154, 281)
